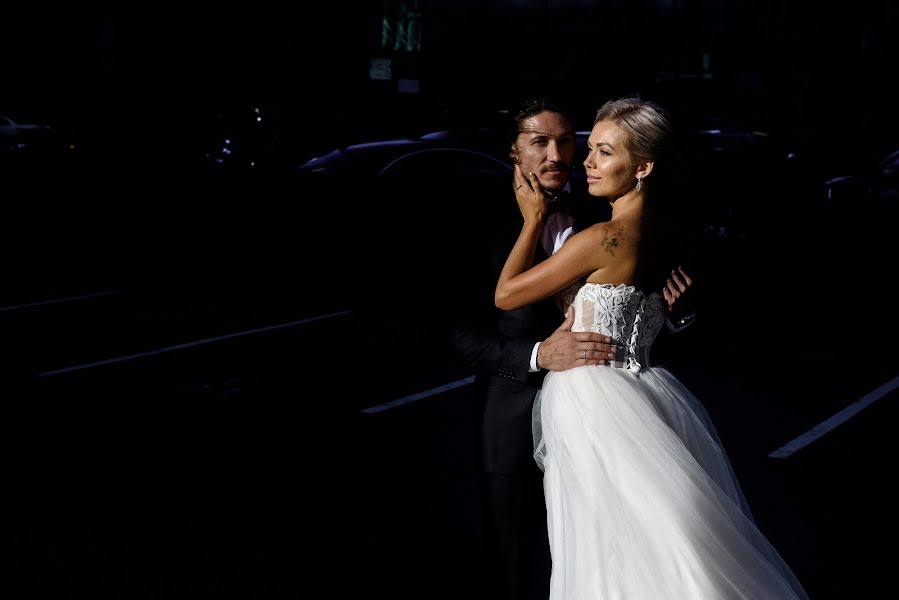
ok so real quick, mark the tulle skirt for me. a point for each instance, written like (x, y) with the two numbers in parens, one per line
(641, 499)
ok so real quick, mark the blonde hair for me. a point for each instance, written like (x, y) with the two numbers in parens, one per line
(644, 123)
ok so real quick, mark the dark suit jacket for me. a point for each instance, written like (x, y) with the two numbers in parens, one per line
(498, 345)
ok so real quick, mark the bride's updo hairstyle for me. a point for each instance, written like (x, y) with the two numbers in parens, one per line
(645, 124)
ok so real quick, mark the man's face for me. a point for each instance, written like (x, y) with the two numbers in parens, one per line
(545, 146)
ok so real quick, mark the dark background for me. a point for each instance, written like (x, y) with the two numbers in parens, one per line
(150, 81)
(222, 468)
(145, 98)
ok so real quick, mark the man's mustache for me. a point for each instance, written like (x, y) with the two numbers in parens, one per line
(557, 166)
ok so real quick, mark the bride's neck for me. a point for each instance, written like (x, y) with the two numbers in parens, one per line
(627, 204)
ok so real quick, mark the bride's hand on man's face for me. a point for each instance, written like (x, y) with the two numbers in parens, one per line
(532, 200)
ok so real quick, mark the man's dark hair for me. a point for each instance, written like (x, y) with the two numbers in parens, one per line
(531, 107)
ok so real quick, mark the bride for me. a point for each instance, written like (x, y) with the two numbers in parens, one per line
(641, 499)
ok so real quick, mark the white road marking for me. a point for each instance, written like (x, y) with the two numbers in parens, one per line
(57, 300)
(835, 421)
(212, 340)
(419, 396)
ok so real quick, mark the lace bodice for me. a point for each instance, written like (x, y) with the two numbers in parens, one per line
(621, 312)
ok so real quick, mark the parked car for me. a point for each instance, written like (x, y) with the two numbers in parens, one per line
(32, 145)
(393, 212)
(879, 183)
(22, 137)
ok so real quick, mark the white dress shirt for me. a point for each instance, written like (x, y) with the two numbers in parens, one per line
(558, 227)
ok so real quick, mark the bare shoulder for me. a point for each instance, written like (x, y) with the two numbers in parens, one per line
(610, 236)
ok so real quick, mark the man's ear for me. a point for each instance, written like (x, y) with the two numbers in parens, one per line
(513, 154)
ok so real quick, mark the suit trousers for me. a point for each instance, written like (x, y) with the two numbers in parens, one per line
(518, 558)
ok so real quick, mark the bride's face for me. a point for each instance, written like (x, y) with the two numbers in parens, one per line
(611, 171)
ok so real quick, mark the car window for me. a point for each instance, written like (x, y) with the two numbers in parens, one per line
(441, 206)
(445, 177)
(443, 174)
(442, 162)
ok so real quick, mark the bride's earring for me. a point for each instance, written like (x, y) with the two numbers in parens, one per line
(639, 183)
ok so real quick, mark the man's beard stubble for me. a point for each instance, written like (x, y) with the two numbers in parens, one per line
(562, 168)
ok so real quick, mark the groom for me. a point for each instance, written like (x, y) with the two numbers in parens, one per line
(511, 353)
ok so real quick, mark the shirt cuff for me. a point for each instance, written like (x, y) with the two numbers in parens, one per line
(534, 368)
(680, 324)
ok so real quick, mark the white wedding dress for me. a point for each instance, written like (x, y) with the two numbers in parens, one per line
(642, 503)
